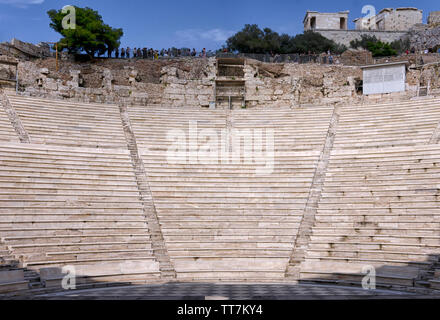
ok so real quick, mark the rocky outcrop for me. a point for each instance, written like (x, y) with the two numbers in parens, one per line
(429, 38)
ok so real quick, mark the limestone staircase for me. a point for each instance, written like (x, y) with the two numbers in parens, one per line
(230, 88)
(9, 121)
(302, 240)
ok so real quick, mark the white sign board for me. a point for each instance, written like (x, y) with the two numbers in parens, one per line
(384, 79)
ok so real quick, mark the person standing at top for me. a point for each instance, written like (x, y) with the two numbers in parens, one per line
(122, 53)
(204, 53)
(127, 52)
(134, 52)
(117, 53)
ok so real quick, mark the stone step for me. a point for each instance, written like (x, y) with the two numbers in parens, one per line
(103, 238)
(229, 225)
(54, 257)
(231, 276)
(385, 223)
(382, 246)
(95, 261)
(255, 237)
(230, 245)
(363, 231)
(184, 253)
(367, 254)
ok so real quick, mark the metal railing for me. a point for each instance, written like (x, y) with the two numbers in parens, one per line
(285, 58)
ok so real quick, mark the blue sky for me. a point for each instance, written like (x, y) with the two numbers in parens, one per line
(184, 23)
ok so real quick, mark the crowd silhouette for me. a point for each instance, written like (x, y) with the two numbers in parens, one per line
(150, 53)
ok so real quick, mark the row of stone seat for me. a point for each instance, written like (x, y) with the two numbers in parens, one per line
(52, 122)
(291, 129)
(379, 207)
(224, 221)
(408, 123)
(74, 206)
(295, 129)
(57, 122)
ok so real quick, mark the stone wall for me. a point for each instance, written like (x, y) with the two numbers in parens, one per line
(25, 50)
(181, 88)
(191, 83)
(298, 84)
(177, 84)
(345, 36)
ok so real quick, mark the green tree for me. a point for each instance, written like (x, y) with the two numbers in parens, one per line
(379, 48)
(315, 43)
(90, 35)
(248, 40)
(251, 39)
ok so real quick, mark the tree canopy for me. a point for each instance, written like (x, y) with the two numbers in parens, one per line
(251, 39)
(90, 35)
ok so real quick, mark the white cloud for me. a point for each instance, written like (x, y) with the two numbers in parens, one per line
(193, 35)
(21, 3)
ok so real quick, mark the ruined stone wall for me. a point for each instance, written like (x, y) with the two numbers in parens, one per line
(345, 36)
(178, 83)
(191, 83)
(78, 86)
(188, 87)
(297, 84)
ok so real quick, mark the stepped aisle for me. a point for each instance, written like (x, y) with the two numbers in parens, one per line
(7, 132)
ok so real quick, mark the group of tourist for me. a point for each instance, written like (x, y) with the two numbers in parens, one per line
(145, 53)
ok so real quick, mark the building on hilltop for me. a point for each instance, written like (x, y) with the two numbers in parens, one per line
(315, 20)
(388, 25)
(434, 18)
(389, 19)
